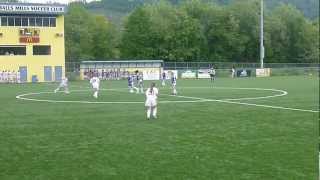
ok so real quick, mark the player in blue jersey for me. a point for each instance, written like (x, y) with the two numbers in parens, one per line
(130, 83)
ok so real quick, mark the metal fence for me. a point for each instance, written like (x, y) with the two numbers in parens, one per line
(75, 66)
(229, 65)
(223, 68)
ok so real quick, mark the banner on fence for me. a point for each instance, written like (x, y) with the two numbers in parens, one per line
(153, 74)
(265, 72)
(243, 73)
(188, 74)
(170, 72)
(204, 74)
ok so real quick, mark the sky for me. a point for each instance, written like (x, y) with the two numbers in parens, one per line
(45, 1)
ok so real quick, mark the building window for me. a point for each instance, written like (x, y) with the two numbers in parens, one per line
(32, 21)
(12, 50)
(41, 50)
(17, 21)
(10, 21)
(4, 21)
(38, 21)
(28, 21)
(25, 22)
(45, 22)
(52, 22)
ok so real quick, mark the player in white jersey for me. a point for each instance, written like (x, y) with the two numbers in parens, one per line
(151, 101)
(95, 82)
(233, 72)
(13, 77)
(63, 85)
(6, 76)
(18, 76)
(1, 76)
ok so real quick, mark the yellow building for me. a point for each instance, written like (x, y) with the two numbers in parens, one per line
(32, 41)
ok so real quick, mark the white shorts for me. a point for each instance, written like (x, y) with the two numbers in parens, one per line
(63, 85)
(95, 86)
(151, 103)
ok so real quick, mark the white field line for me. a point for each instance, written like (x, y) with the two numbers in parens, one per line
(249, 104)
(195, 99)
(22, 97)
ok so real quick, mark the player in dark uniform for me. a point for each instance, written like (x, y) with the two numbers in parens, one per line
(140, 83)
(164, 76)
(212, 74)
(174, 84)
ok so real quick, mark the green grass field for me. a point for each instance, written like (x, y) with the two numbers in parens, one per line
(219, 140)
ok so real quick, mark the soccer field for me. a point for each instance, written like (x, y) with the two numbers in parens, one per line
(254, 128)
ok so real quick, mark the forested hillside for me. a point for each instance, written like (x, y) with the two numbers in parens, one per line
(115, 9)
(193, 31)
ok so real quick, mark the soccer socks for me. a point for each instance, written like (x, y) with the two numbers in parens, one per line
(148, 112)
(174, 91)
(154, 113)
(95, 94)
(137, 89)
(66, 90)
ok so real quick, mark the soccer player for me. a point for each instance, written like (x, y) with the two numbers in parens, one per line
(212, 74)
(63, 85)
(174, 84)
(130, 83)
(95, 82)
(233, 72)
(163, 79)
(1, 76)
(140, 83)
(18, 76)
(4, 76)
(13, 77)
(151, 101)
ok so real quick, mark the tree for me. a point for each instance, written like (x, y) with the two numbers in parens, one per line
(103, 38)
(291, 37)
(247, 13)
(220, 31)
(88, 37)
(78, 37)
(135, 43)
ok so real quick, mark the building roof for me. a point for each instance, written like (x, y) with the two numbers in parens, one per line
(32, 8)
(131, 61)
